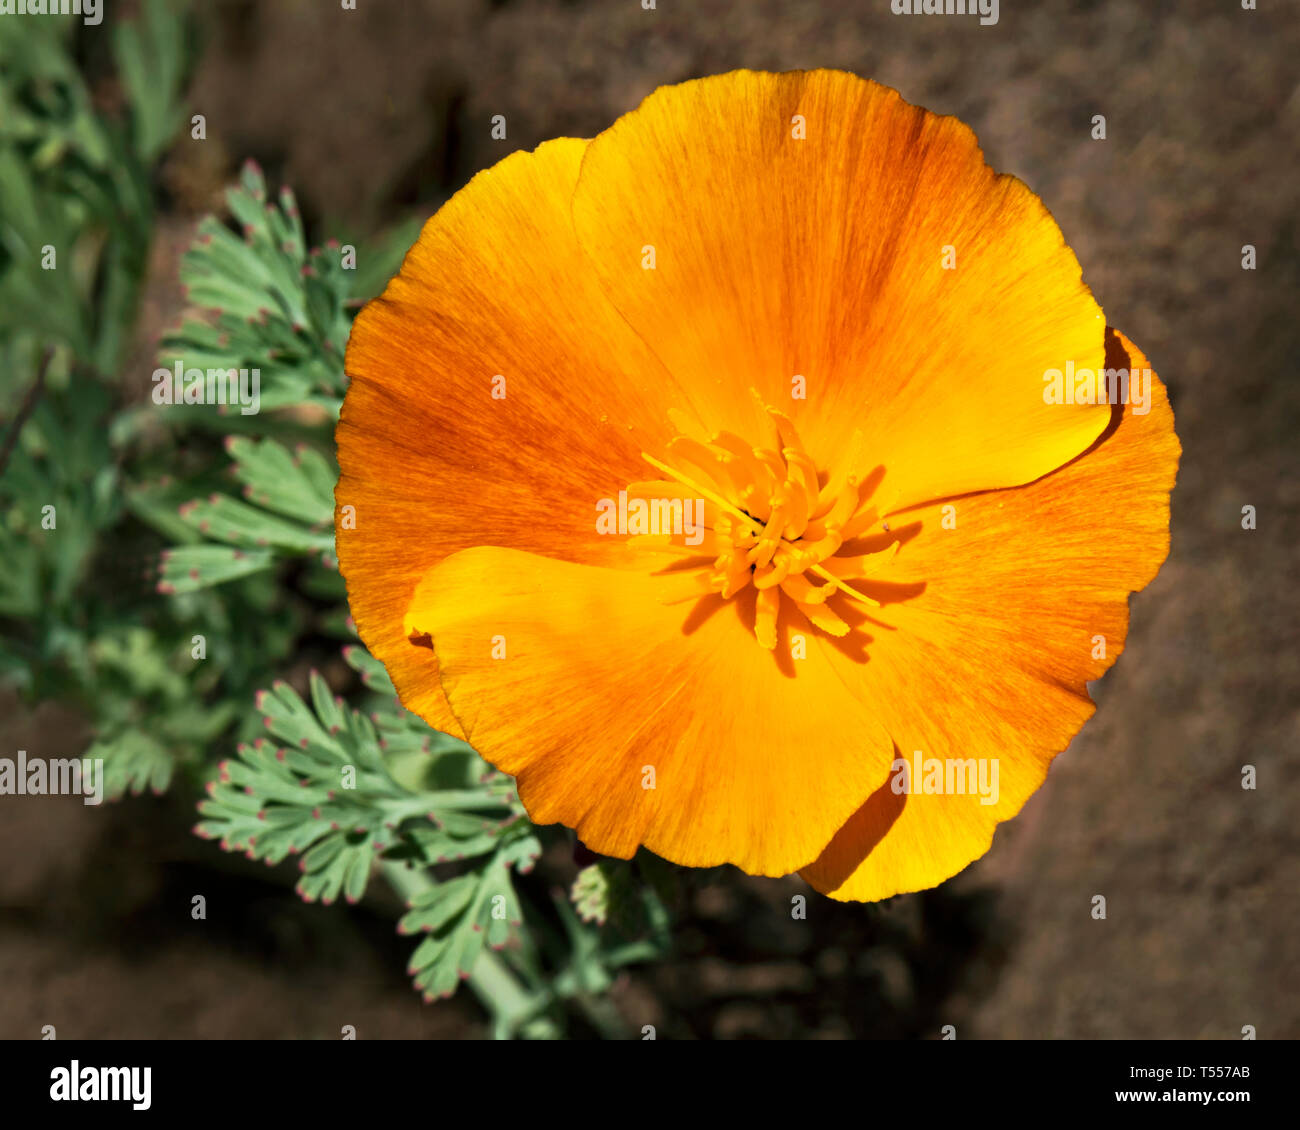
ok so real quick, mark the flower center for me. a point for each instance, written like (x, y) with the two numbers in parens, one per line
(774, 521)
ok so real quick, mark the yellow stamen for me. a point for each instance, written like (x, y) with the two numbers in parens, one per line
(720, 503)
(773, 526)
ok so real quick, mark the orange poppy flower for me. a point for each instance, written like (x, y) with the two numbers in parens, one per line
(857, 379)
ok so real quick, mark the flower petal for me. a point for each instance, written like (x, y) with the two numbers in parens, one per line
(992, 659)
(823, 257)
(432, 461)
(602, 673)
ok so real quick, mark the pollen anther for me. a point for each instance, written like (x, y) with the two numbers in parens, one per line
(779, 522)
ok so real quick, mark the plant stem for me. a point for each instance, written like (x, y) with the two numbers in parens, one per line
(512, 1007)
(28, 406)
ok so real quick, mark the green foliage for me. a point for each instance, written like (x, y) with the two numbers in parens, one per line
(76, 183)
(74, 230)
(330, 788)
(462, 915)
(290, 508)
(150, 56)
(147, 718)
(63, 461)
(263, 301)
(323, 786)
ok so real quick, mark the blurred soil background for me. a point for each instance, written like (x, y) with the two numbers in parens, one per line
(377, 115)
